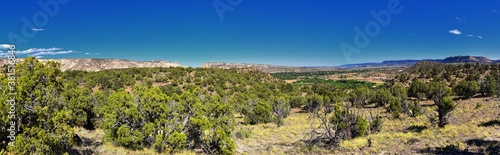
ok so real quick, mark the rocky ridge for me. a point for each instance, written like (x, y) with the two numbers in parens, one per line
(102, 64)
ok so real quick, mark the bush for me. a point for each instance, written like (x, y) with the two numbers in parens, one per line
(361, 126)
(467, 89)
(395, 107)
(297, 101)
(261, 113)
(177, 140)
(376, 124)
(128, 138)
(418, 89)
(281, 109)
(314, 103)
(382, 97)
(478, 105)
(360, 97)
(243, 133)
(416, 109)
(159, 144)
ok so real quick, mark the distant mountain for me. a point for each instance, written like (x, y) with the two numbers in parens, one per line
(395, 63)
(102, 64)
(390, 63)
(467, 59)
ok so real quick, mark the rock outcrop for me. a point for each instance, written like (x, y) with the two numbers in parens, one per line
(103, 64)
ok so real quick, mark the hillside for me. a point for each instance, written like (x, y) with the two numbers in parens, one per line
(103, 64)
(388, 63)
(246, 111)
(467, 59)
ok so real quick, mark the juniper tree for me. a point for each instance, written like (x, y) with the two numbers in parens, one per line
(445, 105)
(42, 122)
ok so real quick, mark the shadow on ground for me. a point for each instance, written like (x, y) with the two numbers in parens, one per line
(474, 146)
(416, 128)
(490, 123)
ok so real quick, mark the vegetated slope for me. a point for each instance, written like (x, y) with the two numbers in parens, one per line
(228, 111)
(165, 109)
(102, 64)
(448, 72)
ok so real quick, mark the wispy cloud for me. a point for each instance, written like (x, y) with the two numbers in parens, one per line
(87, 53)
(35, 29)
(480, 37)
(53, 53)
(494, 11)
(455, 31)
(40, 52)
(470, 35)
(460, 19)
(4, 46)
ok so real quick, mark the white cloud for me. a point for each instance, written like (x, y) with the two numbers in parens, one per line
(52, 53)
(87, 53)
(35, 29)
(455, 31)
(470, 35)
(5, 46)
(480, 37)
(40, 52)
(459, 19)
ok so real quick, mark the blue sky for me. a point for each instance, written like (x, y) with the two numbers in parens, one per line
(281, 32)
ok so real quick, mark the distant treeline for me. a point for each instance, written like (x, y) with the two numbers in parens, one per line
(295, 75)
(342, 84)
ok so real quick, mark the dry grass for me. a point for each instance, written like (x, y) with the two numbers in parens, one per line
(270, 139)
(395, 137)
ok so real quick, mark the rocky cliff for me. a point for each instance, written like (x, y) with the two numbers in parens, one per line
(103, 64)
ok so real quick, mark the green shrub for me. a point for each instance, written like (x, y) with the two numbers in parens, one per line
(243, 133)
(297, 101)
(128, 138)
(361, 126)
(159, 144)
(467, 89)
(376, 124)
(478, 105)
(416, 109)
(261, 113)
(395, 107)
(177, 140)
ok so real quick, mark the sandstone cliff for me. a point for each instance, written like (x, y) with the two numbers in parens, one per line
(103, 64)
